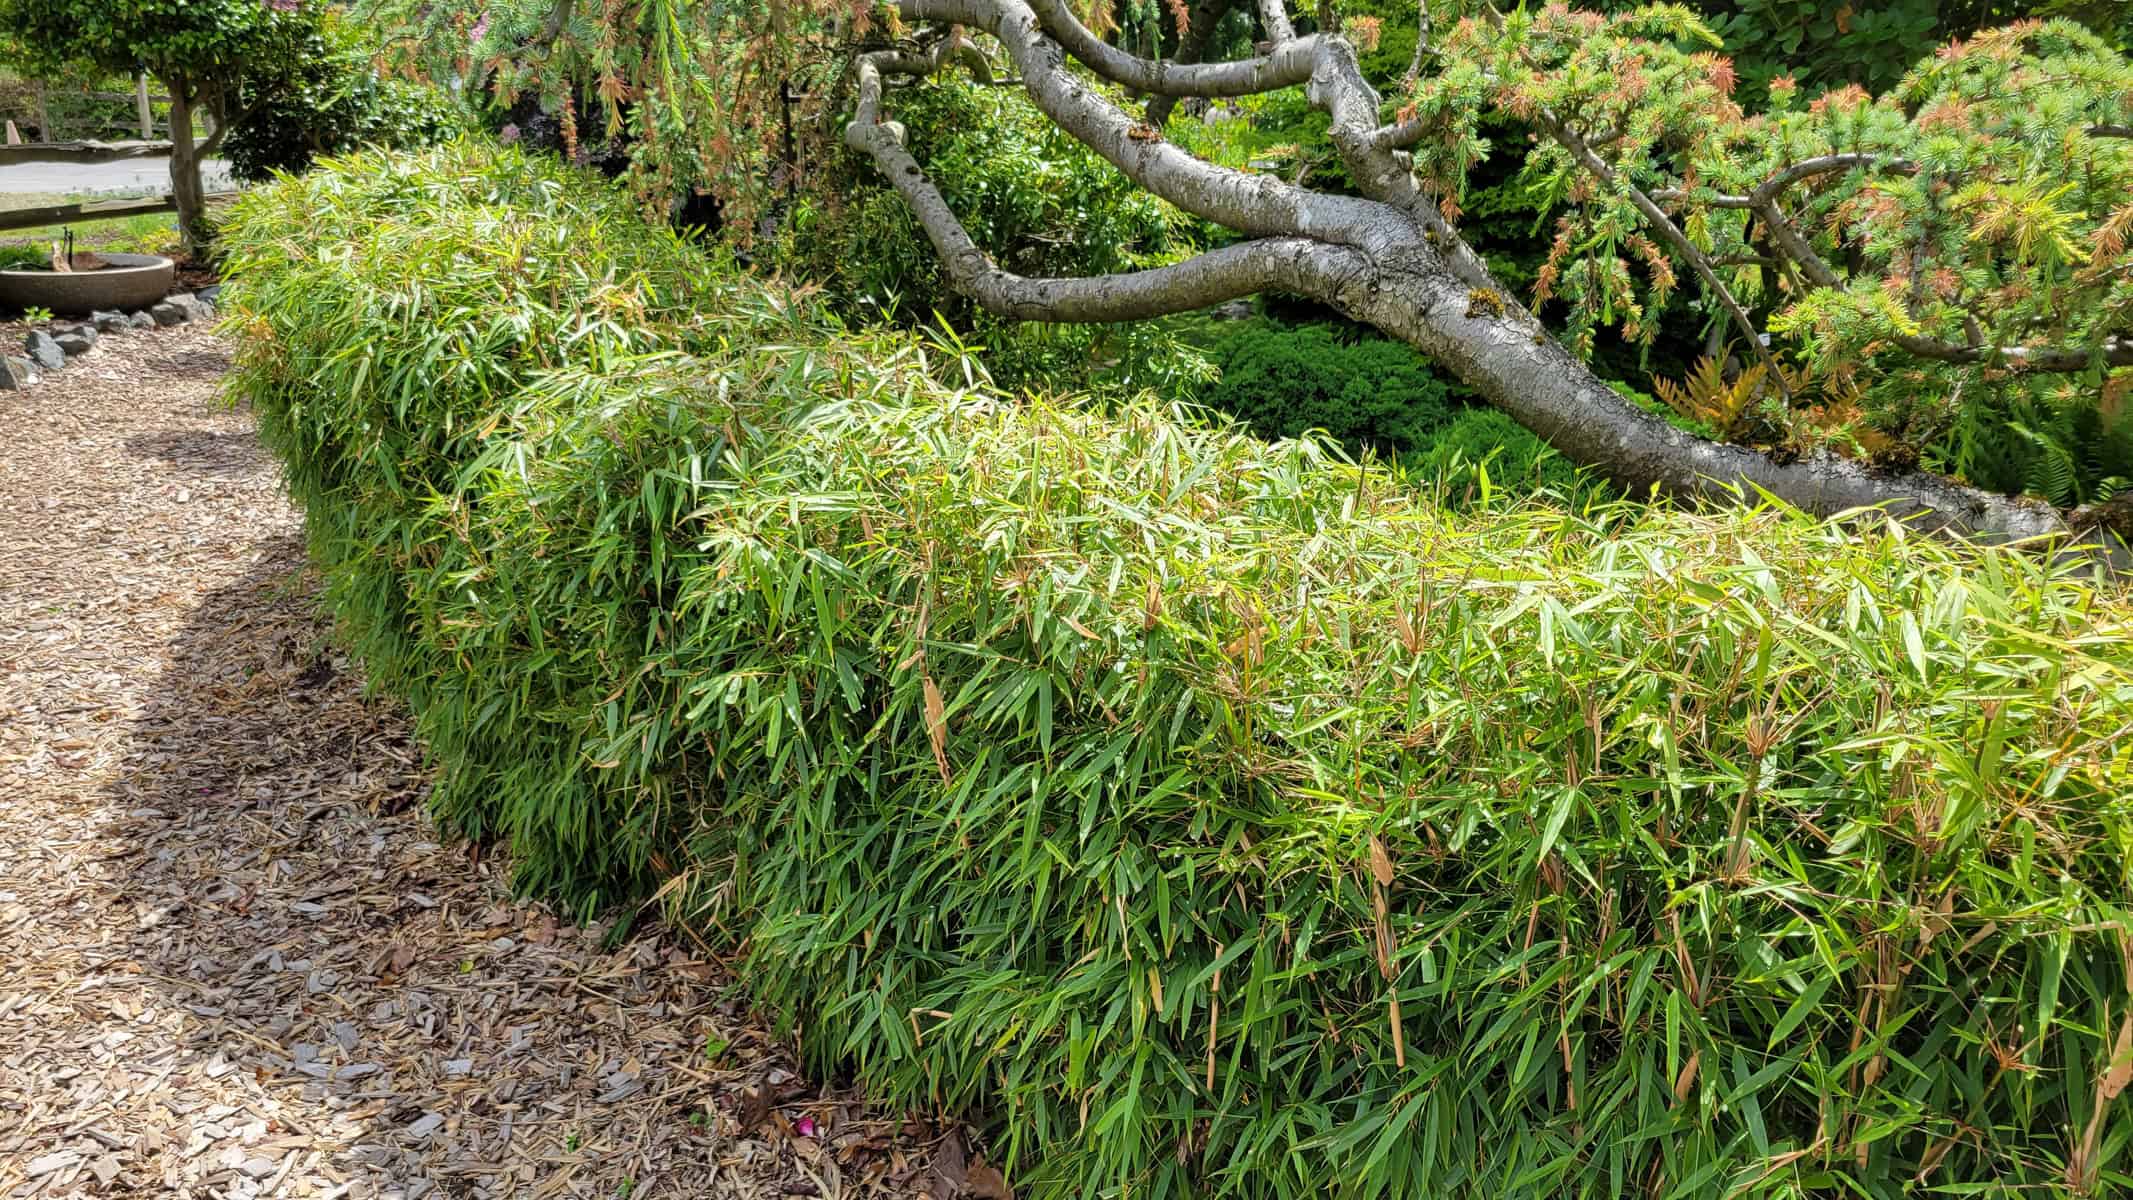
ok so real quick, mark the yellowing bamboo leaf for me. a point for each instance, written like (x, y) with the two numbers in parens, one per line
(1687, 1079)
(937, 726)
(1380, 862)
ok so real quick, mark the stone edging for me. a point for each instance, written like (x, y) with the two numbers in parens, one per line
(46, 350)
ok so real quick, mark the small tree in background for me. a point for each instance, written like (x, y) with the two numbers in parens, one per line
(332, 100)
(220, 57)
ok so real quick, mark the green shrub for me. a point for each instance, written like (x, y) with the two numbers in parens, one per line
(335, 102)
(1482, 451)
(1207, 816)
(1285, 381)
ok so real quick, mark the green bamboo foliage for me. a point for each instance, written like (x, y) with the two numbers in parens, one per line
(1207, 816)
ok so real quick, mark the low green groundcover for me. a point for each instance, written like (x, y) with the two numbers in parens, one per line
(1205, 815)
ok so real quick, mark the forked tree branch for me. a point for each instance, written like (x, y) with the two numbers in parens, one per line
(1383, 258)
(1201, 20)
(1288, 63)
(1243, 269)
(1247, 202)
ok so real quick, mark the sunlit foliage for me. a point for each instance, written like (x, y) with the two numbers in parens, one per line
(1207, 816)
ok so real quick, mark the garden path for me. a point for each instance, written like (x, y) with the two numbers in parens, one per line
(235, 960)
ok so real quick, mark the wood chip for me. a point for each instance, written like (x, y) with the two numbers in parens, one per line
(234, 943)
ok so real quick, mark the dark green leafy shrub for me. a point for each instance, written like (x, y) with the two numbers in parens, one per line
(334, 102)
(1207, 816)
(1482, 452)
(1368, 392)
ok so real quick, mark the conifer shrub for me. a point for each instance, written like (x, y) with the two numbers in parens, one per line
(1365, 393)
(1206, 816)
(1481, 451)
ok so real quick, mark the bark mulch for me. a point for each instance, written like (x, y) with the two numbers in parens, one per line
(235, 959)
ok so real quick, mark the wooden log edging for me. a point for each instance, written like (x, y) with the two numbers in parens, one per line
(92, 210)
(91, 151)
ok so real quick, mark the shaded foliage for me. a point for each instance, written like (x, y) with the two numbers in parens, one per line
(334, 101)
(1367, 392)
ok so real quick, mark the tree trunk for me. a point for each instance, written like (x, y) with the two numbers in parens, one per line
(185, 189)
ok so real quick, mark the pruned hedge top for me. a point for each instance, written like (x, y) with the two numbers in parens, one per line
(1209, 816)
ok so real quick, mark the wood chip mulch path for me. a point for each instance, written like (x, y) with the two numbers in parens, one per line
(235, 960)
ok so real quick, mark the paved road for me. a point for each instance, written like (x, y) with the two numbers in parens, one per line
(120, 177)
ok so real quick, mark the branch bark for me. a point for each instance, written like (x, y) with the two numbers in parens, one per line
(1200, 22)
(1287, 64)
(1274, 17)
(1382, 258)
(1225, 274)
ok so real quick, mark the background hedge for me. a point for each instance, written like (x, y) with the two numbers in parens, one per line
(1206, 816)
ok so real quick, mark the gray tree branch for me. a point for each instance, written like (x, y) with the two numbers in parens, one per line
(1243, 269)
(1201, 21)
(1380, 260)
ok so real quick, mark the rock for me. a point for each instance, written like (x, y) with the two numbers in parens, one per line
(140, 320)
(108, 321)
(169, 313)
(16, 373)
(44, 351)
(210, 294)
(76, 341)
(259, 1167)
(194, 308)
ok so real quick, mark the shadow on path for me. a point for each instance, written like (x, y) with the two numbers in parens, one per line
(238, 962)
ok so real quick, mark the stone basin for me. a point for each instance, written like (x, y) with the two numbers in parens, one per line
(130, 281)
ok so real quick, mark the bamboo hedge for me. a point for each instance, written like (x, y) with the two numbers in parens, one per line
(1205, 816)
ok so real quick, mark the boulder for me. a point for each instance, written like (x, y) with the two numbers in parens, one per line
(140, 320)
(169, 313)
(211, 294)
(16, 373)
(110, 321)
(44, 351)
(195, 308)
(76, 341)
